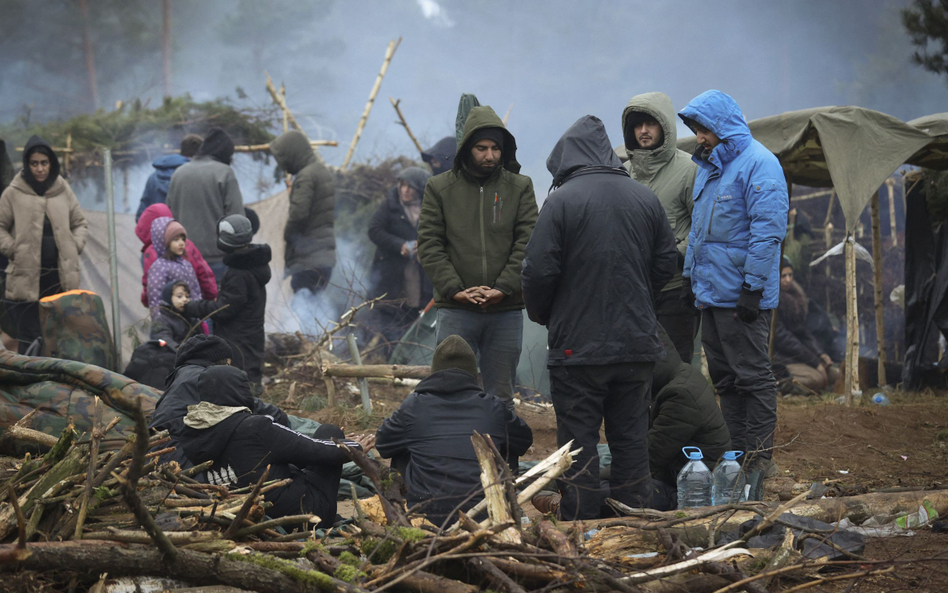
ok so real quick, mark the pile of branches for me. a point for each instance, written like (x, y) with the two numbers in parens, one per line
(137, 134)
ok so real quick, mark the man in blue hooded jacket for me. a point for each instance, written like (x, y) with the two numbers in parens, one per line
(156, 188)
(732, 266)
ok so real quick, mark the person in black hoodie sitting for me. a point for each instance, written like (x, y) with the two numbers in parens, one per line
(194, 356)
(238, 311)
(223, 428)
(429, 436)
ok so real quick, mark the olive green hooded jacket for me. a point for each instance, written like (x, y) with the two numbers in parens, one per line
(473, 232)
(310, 238)
(667, 171)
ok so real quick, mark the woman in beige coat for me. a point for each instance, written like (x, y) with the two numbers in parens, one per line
(42, 233)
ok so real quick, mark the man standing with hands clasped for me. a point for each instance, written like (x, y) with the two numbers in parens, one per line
(732, 268)
(475, 222)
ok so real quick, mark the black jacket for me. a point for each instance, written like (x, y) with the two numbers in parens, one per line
(684, 413)
(244, 290)
(244, 443)
(389, 229)
(429, 439)
(601, 248)
(182, 391)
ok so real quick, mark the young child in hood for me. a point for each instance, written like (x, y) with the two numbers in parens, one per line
(169, 239)
(238, 311)
(203, 271)
(172, 326)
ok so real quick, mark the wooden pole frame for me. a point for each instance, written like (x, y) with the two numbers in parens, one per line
(877, 281)
(389, 53)
(402, 122)
(851, 385)
(893, 226)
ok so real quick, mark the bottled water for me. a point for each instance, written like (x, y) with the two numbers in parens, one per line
(694, 481)
(880, 399)
(728, 480)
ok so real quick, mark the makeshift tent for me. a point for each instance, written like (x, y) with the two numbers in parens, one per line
(853, 150)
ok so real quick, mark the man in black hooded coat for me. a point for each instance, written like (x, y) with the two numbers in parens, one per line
(224, 428)
(601, 249)
(429, 436)
(440, 157)
(194, 356)
(204, 191)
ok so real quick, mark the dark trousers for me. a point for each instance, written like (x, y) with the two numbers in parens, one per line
(585, 396)
(314, 280)
(680, 321)
(314, 491)
(739, 365)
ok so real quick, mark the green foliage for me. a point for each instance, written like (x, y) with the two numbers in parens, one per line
(137, 134)
(350, 559)
(348, 573)
(378, 551)
(926, 21)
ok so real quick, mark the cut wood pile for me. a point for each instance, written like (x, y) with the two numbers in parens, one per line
(95, 505)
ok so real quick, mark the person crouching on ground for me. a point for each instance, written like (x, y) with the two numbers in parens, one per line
(428, 437)
(223, 429)
(238, 311)
(169, 239)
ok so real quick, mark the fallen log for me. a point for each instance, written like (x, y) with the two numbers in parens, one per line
(384, 371)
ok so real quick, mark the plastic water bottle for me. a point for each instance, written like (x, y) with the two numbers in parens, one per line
(694, 480)
(880, 399)
(728, 480)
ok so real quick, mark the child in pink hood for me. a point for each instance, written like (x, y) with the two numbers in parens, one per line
(203, 272)
(169, 238)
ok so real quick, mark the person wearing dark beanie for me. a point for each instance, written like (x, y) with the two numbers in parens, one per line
(428, 437)
(475, 222)
(196, 354)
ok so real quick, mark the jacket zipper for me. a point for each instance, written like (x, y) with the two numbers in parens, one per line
(483, 244)
(711, 218)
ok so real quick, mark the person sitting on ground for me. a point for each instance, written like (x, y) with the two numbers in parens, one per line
(807, 363)
(153, 361)
(396, 271)
(169, 239)
(428, 437)
(203, 271)
(156, 188)
(194, 356)
(223, 428)
(238, 311)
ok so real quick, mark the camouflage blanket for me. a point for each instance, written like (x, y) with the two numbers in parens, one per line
(75, 327)
(63, 389)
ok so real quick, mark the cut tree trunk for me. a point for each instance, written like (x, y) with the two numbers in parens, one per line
(877, 282)
(851, 385)
(386, 371)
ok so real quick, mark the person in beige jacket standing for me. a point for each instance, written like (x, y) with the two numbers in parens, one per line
(42, 233)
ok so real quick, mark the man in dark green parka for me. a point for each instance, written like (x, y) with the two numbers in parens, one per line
(310, 238)
(475, 222)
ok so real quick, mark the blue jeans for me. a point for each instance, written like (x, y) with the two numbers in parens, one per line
(218, 268)
(496, 339)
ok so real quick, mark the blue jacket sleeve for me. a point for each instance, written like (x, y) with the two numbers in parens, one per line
(148, 196)
(542, 263)
(767, 205)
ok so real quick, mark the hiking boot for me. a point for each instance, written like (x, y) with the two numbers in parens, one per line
(547, 503)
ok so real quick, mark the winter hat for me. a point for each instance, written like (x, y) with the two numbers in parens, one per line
(454, 353)
(190, 145)
(416, 177)
(785, 262)
(174, 229)
(233, 232)
(217, 145)
(441, 153)
(209, 348)
(251, 215)
(495, 134)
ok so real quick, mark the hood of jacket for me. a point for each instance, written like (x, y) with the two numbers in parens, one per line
(143, 226)
(292, 152)
(158, 227)
(658, 106)
(168, 291)
(169, 162)
(37, 144)
(416, 177)
(585, 144)
(218, 146)
(721, 114)
(256, 258)
(484, 117)
(226, 401)
(442, 152)
(451, 382)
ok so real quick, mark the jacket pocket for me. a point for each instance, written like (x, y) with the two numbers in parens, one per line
(728, 213)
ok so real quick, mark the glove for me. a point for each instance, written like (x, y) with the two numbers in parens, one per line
(687, 295)
(748, 304)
